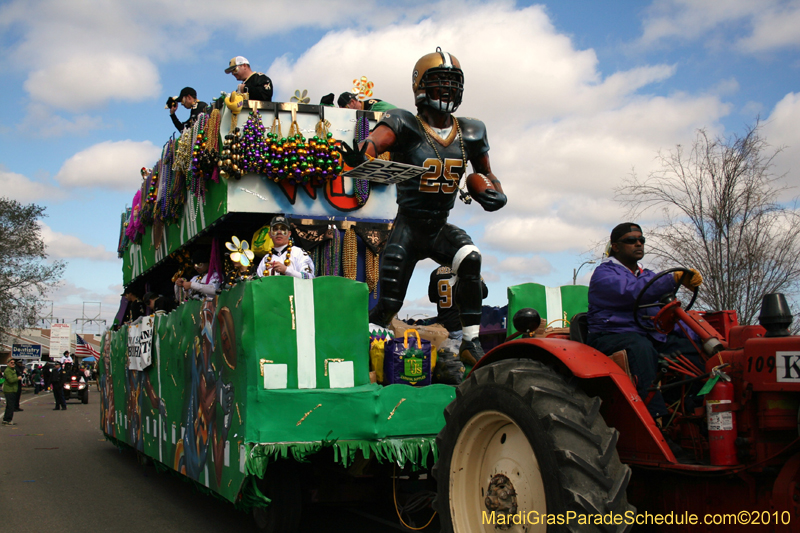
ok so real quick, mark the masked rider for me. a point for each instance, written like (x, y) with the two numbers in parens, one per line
(436, 140)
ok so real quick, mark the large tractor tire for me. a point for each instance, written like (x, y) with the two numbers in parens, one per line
(521, 439)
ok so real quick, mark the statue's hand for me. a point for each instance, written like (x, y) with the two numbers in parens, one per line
(353, 157)
(491, 200)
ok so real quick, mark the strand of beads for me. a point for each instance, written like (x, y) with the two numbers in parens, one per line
(372, 266)
(197, 177)
(324, 156)
(360, 186)
(331, 258)
(149, 193)
(254, 147)
(231, 155)
(183, 152)
(350, 259)
(209, 157)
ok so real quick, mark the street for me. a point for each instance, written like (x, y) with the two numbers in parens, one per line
(57, 472)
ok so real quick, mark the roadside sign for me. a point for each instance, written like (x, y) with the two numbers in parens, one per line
(60, 340)
(26, 351)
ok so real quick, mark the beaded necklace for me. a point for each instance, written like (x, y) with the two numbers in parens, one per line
(331, 256)
(167, 177)
(195, 176)
(183, 153)
(372, 270)
(360, 186)
(288, 259)
(212, 131)
(350, 259)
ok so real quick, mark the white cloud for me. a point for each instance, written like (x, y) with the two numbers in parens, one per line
(63, 246)
(24, 190)
(42, 122)
(780, 130)
(541, 234)
(763, 25)
(524, 267)
(112, 165)
(89, 80)
(774, 28)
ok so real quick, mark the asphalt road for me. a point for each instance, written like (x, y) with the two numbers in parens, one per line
(58, 473)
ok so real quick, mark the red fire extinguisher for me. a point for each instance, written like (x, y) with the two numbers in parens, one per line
(721, 422)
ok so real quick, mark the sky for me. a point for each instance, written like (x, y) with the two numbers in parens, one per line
(576, 95)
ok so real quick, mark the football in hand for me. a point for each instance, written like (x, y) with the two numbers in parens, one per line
(478, 183)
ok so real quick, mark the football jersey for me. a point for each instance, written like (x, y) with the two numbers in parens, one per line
(440, 292)
(436, 189)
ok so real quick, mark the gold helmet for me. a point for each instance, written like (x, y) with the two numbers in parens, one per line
(438, 81)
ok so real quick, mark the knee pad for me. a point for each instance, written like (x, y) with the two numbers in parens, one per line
(466, 263)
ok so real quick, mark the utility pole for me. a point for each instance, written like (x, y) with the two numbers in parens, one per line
(93, 319)
(46, 313)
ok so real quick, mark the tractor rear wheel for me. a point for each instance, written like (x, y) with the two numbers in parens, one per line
(521, 442)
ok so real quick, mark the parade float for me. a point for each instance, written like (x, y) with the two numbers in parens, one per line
(254, 392)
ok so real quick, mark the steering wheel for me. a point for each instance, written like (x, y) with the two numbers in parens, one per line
(664, 300)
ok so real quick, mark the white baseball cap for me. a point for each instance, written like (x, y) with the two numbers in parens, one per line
(235, 62)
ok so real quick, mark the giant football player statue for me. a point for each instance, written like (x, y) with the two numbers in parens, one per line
(438, 141)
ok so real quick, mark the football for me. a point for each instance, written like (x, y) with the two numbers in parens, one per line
(477, 183)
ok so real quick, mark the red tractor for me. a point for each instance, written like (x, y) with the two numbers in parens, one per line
(548, 434)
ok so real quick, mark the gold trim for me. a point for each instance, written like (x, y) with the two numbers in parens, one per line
(444, 142)
(261, 363)
(332, 361)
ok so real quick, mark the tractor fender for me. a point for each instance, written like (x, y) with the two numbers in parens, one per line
(640, 441)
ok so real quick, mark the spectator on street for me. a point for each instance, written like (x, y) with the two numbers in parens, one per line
(20, 369)
(11, 389)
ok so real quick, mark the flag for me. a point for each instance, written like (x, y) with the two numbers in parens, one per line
(84, 348)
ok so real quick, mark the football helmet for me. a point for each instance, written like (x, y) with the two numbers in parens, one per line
(438, 81)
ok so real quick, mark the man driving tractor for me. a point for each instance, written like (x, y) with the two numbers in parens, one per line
(613, 290)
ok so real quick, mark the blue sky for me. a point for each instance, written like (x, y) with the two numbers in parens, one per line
(575, 95)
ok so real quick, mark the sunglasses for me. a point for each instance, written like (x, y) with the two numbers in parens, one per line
(631, 240)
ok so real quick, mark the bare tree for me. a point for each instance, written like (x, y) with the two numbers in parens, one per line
(24, 276)
(720, 213)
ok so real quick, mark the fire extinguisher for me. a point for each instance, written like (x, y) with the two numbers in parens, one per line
(721, 424)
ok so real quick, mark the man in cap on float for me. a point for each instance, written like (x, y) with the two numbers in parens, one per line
(204, 284)
(434, 139)
(613, 289)
(285, 259)
(188, 99)
(256, 85)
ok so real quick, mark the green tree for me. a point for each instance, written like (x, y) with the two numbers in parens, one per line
(721, 214)
(25, 276)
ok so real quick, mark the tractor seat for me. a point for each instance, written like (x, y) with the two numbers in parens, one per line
(579, 328)
(579, 332)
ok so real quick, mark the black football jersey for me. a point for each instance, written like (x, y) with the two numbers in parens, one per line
(436, 189)
(441, 293)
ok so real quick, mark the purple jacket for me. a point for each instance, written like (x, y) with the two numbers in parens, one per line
(612, 293)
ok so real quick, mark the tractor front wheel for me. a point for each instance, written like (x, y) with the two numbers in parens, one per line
(524, 449)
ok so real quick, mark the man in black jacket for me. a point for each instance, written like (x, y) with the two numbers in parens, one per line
(56, 378)
(188, 99)
(257, 85)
